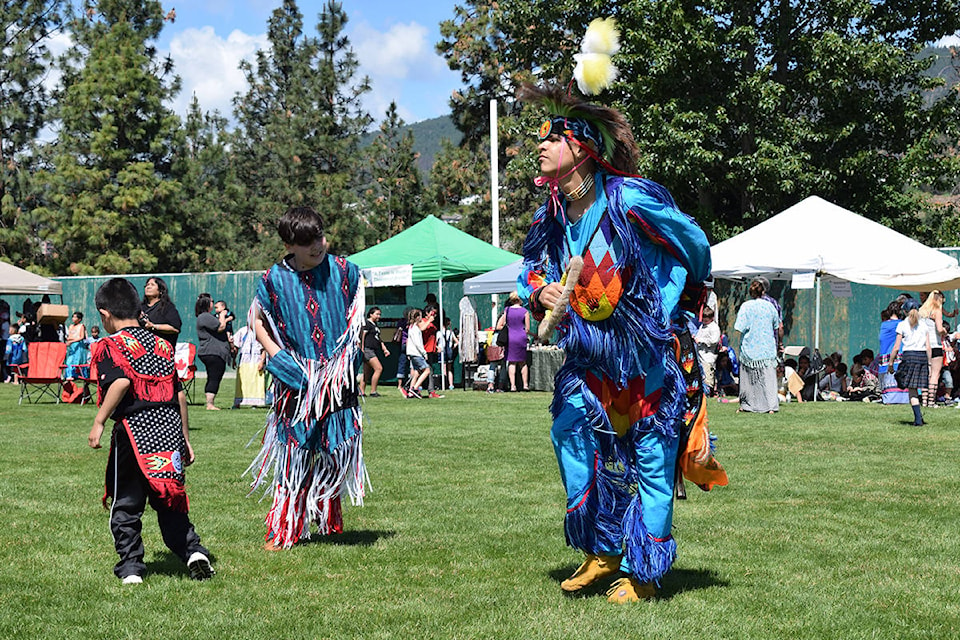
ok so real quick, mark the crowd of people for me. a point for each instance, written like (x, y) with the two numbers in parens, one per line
(914, 337)
(219, 346)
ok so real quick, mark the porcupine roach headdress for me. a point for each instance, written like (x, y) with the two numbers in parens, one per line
(582, 122)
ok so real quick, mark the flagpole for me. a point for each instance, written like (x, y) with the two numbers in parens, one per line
(494, 194)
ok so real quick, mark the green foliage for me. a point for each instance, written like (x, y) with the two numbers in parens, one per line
(394, 196)
(742, 108)
(24, 27)
(460, 185)
(107, 197)
(299, 127)
(209, 195)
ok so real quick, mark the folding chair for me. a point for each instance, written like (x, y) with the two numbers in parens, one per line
(40, 376)
(184, 359)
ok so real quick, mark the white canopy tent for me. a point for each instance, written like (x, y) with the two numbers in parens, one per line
(817, 237)
(17, 281)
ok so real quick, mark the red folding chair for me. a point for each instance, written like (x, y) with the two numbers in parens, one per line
(184, 359)
(40, 376)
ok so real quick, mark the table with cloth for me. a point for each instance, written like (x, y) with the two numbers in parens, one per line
(544, 364)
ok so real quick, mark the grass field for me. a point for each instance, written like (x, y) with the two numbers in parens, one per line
(841, 521)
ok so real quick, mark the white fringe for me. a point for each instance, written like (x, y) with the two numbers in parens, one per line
(329, 475)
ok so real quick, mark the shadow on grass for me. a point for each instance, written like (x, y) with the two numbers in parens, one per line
(350, 538)
(675, 582)
(166, 564)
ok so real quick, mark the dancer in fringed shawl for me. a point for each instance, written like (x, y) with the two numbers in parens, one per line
(308, 313)
(628, 407)
(150, 445)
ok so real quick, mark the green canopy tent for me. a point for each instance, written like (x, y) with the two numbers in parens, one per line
(437, 251)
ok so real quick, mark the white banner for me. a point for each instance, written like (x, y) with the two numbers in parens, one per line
(397, 276)
(803, 280)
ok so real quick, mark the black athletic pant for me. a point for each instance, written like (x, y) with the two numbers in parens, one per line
(130, 495)
(215, 366)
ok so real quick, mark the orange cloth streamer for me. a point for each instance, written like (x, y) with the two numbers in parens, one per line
(697, 462)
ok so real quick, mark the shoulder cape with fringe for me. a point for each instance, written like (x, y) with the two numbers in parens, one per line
(312, 452)
(156, 432)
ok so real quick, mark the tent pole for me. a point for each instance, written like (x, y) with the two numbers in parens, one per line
(443, 374)
(816, 339)
(816, 331)
(494, 197)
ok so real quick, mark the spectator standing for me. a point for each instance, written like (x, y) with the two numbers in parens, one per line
(213, 348)
(516, 320)
(218, 307)
(448, 346)
(251, 385)
(430, 326)
(708, 346)
(759, 323)
(419, 369)
(158, 314)
(77, 349)
(931, 315)
(913, 372)
(400, 338)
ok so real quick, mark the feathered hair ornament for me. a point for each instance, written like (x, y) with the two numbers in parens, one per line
(595, 70)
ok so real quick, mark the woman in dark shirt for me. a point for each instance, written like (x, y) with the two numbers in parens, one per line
(213, 348)
(158, 314)
(370, 339)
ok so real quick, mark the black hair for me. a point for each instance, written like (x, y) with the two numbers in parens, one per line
(371, 311)
(164, 298)
(79, 314)
(203, 305)
(120, 298)
(301, 226)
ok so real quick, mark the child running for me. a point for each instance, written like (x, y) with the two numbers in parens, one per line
(417, 354)
(150, 444)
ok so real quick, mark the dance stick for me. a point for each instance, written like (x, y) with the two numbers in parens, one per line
(552, 318)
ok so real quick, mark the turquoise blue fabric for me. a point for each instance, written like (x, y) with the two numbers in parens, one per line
(576, 448)
(77, 354)
(620, 489)
(757, 320)
(309, 309)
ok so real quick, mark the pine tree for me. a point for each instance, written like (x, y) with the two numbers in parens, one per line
(209, 195)
(109, 198)
(395, 191)
(299, 126)
(24, 28)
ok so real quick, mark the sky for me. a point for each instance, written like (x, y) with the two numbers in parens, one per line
(394, 41)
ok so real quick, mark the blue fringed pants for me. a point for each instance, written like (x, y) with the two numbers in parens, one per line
(619, 490)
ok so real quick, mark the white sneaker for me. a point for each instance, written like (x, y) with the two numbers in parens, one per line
(132, 579)
(199, 566)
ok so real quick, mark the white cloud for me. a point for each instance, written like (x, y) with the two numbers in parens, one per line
(948, 41)
(403, 68)
(209, 66)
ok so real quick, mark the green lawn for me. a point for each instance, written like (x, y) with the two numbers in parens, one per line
(840, 522)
